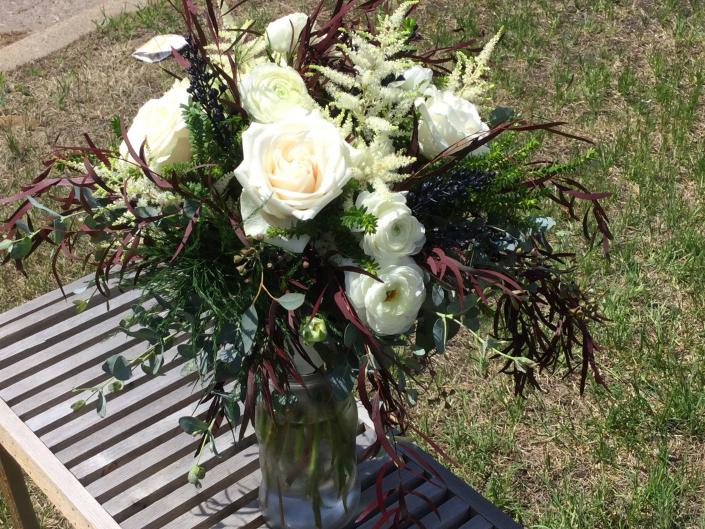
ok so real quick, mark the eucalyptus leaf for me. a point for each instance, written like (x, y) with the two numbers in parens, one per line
(412, 396)
(193, 425)
(232, 411)
(291, 301)
(186, 350)
(87, 195)
(351, 336)
(80, 304)
(23, 227)
(118, 367)
(440, 335)
(437, 295)
(189, 368)
(21, 248)
(145, 212)
(190, 207)
(500, 115)
(59, 232)
(102, 405)
(153, 365)
(341, 381)
(35, 203)
(248, 325)
(78, 405)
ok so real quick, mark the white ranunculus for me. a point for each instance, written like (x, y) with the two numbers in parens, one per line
(283, 34)
(389, 307)
(445, 119)
(416, 79)
(160, 122)
(398, 234)
(290, 171)
(270, 92)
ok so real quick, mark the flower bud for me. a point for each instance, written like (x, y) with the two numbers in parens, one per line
(314, 330)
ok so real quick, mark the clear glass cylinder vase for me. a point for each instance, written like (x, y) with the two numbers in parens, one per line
(307, 458)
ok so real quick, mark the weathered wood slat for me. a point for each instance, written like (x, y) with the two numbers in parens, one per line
(54, 385)
(16, 358)
(229, 475)
(144, 467)
(31, 310)
(448, 515)
(47, 472)
(59, 423)
(174, 477)
(222, 504)
(124, 451)
(182, 398)
(18, 504)
(415, 505)
(477, 522)
(129, 470)
(247, 517)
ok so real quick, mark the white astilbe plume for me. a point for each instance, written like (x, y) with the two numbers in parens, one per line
(246, 53)
(378, 163)
(466, 80)
(123, 175)
(377, 110)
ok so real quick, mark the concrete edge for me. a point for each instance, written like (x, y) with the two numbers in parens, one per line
(41, 43)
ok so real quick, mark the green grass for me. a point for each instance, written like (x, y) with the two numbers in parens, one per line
(631, 455)
(629, 75)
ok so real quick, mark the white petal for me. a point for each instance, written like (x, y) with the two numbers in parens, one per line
(293, 244)
(256, 224)
(159, 48)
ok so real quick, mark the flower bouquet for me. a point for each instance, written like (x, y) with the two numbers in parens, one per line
(311, 213)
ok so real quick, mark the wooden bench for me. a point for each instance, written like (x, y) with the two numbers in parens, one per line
(129, 469)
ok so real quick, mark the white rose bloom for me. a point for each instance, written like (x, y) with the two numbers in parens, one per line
(283, 34)
(390, 307)
(398, 234)
(291, 170)
(270, 92)
(159, 121)
(416, 79)
(445, 119)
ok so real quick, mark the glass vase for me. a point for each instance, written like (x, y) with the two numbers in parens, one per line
(307, 458)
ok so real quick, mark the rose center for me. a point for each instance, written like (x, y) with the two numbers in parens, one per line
(391, 295)
(295, 169)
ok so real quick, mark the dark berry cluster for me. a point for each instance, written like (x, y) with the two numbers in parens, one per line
(205, 91)
(441, 197)
(489, 243)
(453, 236)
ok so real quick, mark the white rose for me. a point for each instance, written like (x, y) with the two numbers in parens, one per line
(416, 79)
(291, 170)
(398, 233)
(270, 92)
(390, 307)
(283, 34)
(160, 122)
(445, 119)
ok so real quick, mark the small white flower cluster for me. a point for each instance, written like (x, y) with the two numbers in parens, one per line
(389, 306)
(466, 80)
(377, 107)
